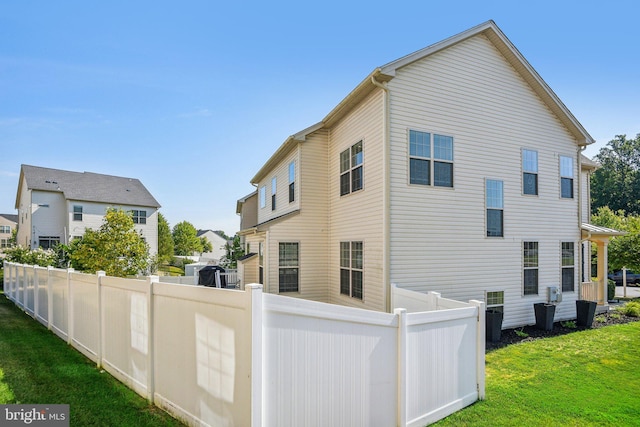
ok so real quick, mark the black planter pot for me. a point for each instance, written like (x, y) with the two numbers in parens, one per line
(585, 310)
(493, 325)
(544, 315)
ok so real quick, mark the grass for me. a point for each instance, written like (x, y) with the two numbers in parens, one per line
(170, 270)
(586, 378)
(37, 367)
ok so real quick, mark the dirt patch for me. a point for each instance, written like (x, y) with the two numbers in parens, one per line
(510, 336)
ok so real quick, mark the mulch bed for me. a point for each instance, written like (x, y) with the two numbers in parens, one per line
(509, 336)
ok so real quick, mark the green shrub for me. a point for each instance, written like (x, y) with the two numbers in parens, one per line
(611, 289)
(632, 308)
(570, 324)
(521, 333)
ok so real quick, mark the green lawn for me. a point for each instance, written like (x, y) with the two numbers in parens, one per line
(37, 367)
(586, 378)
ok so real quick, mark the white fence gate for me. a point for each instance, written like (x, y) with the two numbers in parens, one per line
(225, 357)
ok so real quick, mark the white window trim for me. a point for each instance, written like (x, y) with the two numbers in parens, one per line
(431, 159)
(536, 173)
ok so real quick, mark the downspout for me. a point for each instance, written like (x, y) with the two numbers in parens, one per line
(386, 209)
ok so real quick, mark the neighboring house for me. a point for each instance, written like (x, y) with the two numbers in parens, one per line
(218, 243)
(8, 223)
(56, 206)
(454, 169)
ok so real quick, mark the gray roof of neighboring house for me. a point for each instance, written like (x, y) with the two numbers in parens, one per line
(88, 186)
(10, 217)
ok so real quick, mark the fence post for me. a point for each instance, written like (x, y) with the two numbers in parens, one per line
(69, 307)
(151, 360)
(101, 336)
(401, 313)
(36, 289)
(433, 300)
(254, 292)
(480, 347)
(49, 296)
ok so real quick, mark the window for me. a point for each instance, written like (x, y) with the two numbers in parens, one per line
(4, 243)
(292, 181)
(48, 242)
(288, 267)
(568, 267)
(351, 263)
(422, 151)
(566, 177)
(77, 213)
(260, 263)
(530, 172)
(5, 229)
(495, 300)
(530, 263)
(263, 196)
(495, 208)
(351, 173)
(274, 187)
(139, 217)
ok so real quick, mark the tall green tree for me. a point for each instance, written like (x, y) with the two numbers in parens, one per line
(623, 251)
(115, 248)
(165, 240)
(206, 244)
(616, 183)
(233, 252)
(185, 239)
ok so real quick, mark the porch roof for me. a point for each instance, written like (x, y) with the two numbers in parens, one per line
(590, 230)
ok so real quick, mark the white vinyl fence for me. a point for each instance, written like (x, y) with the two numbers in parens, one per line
(224, 357)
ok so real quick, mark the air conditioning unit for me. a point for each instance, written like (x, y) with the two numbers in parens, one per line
(553, 296)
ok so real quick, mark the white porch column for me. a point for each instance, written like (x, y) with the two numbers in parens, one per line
(603, 262)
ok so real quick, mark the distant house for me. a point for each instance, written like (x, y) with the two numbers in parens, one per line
(8, 223)
(454, 169)
(56, 206)
(217, 243)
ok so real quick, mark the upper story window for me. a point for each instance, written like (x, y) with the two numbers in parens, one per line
(263, 196)
(351, 172)
(274, 188)
(530, 172)
(566, 177)
(292, 181)
(139, 217)
(5, 229)
(77, 213)
(494, 195)
(427, 150)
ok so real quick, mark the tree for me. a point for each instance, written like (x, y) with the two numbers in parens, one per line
(165, 240)
(206, 244)
(623, 251)
(616, 183)
(185, 239)
(234, 251)
(115, 248)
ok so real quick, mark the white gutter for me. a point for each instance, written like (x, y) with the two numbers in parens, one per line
(386, 209)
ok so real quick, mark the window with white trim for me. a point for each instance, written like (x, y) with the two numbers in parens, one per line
(495, 300)
(494, 196)
(263, 196)
(48, 242)
(351, 269)
(566, 177)
(530, 264)
(568, 267)
(77, 213)
(274, 189)
(351, 171)
(139, 217)
(530, 172)
(289, 267)
(5, 229)
(260, 263)
(292, 181)
(430, 159)
(4, 243)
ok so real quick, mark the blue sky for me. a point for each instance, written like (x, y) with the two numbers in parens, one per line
(192, 97)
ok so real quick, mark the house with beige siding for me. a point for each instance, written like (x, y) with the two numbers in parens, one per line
(454, 169)
(55, 206)
(8, 224)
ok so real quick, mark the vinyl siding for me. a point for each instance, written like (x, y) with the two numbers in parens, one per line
(47, 216)
(359, 216)
(585, 187)
(308, 227)
(438, 236)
